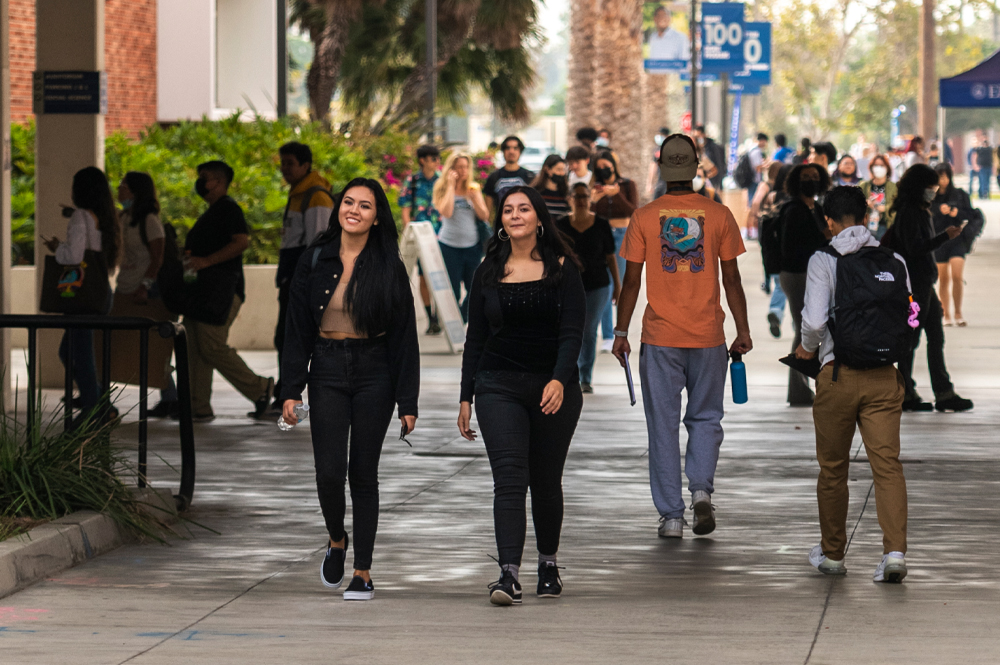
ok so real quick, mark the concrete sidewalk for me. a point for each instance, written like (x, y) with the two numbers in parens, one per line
(743, 595)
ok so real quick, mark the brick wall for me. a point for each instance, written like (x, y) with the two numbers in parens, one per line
(130, 61)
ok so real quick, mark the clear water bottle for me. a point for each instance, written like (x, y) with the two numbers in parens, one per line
(190, 275)
(301, 412)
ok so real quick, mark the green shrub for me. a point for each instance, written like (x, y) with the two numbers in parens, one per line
(22, 201)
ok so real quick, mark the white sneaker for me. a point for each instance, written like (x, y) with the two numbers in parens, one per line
(824, 565)
(704, 513)
(606, 345)
(892, 568)
(671, 528)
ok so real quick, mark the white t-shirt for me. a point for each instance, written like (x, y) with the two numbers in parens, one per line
(135, 254)
(671, 45)
(574, 178)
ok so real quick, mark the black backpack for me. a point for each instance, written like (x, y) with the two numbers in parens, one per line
(870, 326)
(769, 236)
(744, 175)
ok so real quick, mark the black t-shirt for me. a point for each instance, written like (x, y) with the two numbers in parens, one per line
(501, 180)
(593, 247)
(214, 230)
(984, 158)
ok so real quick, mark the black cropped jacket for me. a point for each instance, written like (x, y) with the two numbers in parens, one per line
(316, 278)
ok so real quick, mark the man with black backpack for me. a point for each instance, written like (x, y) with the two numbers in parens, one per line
(857, 317)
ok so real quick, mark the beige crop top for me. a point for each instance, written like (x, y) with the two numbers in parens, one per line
(336, 318)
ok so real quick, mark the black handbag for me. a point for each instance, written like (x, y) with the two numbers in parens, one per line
(76, 289)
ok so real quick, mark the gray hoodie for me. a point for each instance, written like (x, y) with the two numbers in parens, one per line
(821, 289)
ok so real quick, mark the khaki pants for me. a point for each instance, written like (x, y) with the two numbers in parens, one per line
(872, 401)
(208, 348)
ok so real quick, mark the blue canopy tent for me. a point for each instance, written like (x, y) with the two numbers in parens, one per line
(977, 88)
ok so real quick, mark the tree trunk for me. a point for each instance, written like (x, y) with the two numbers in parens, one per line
(580, 111)
(328, 51)
(926, 106)
(654, 112)
(619, 83)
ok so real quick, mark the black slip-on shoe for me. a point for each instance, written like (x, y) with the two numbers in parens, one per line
(261, 405)
(917, 404)
(331, 571)
(164, 409)
(953, 403)
(358, 589)
(775, 324)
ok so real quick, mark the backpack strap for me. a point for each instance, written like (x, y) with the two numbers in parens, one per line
(831, 251)
(308, 194)
(315, 258)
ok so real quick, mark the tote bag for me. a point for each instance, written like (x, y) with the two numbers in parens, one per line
(75, 289)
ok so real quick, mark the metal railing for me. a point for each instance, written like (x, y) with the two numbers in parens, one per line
(167, 329)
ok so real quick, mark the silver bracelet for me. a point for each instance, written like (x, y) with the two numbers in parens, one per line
(620, 333)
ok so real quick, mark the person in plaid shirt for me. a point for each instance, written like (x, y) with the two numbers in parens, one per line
(415, 202)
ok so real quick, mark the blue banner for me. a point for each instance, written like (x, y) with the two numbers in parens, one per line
(734, 133)
(666, 66)
(722, 37)
(756, 55)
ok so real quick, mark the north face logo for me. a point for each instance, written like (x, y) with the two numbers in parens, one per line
(885, 277)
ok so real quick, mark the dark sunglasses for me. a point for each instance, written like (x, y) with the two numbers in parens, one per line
(402, 436)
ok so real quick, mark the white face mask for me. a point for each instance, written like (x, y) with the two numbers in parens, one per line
(879, 171)
(658, 139)
(697, 183)
(601, 141)
(930, 193)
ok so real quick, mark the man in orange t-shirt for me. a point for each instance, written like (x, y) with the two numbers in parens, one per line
(684, 238)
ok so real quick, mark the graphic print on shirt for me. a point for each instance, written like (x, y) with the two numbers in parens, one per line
(682, 240)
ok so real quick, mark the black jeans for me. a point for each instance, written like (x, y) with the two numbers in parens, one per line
(794, 286)
(284, 292)
(526, 449)
(930, 318)
(351, 400)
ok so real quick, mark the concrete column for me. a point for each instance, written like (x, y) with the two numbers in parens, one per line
(5, 166)
(926, 100)
(69, 35)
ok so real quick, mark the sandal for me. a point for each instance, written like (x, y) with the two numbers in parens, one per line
(948, 323)
(961, 323)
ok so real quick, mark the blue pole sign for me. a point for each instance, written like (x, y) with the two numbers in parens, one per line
(756, 56)
(734, 133)
(722, 37)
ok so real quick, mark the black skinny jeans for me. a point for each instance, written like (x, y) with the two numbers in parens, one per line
(526, 449)
(351, 398)
(930, 317)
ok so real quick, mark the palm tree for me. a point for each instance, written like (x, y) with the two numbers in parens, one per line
(654, 107)
(580, 111)
(618, 92)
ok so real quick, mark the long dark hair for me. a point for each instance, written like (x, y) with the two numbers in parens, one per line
(944, 168)
(543, 178)
(145, 202)
(378, 285)
(92, 192)
(910, 191)
(551, 245)
(794, 178)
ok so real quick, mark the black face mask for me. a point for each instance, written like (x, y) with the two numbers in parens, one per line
(558, 180)
(809, 187)
(200, 187)
(604, 174)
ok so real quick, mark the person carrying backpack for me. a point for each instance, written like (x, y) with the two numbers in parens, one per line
(857, 319)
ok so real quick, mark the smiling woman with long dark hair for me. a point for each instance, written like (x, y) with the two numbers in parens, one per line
(351, 335)
(526, 314)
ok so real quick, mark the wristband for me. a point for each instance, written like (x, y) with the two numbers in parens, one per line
(620, 333)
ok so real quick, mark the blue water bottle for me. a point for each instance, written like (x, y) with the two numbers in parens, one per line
(738, 374)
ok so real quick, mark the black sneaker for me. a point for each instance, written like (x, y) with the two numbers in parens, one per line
(506, 590)
(917, 404)
(586, 389)
(775, 323)
(261, 405)
(549, 582)
(331, 571)
(358, 589)
(434, 328)
(953, 403)
(164, 409)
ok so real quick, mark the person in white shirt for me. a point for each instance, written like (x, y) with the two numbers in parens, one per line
(578, 161)
(665, 43)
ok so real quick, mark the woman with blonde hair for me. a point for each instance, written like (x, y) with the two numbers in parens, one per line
(460, 201)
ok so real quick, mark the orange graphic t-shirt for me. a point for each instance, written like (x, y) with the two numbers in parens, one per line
(681, 239)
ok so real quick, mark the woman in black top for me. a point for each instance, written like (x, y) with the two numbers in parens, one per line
(951, 206)
(802, 233)
(351, 334)
(551, 184)
(591, 240)
(912, 237)
(526, 314)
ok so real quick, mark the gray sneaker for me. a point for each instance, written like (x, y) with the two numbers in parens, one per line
(672, 527)
(825, 565)
(892, 568)
(704, 513)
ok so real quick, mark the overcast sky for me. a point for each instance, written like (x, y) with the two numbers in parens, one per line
(550, 15)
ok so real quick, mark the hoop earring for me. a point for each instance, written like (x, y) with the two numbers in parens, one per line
(541, 231)
(503, 236)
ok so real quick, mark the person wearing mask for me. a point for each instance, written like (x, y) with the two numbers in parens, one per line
(307, 214)
(760, 197)
(510, 175)
(519, 365)
(802, 233)
(459, 200)
(592, 241)
(416, 204)
(686, 242)
(782, 153)
(702, 185)
(615, 199)
(759, 164)
(823, 153)
(912, 236)
(352, 337)
(587, 136)
(717, 166)
(93, 226)
(551, 184)
(915, 152)
(214, 248)
(654, 186)
(771, 207)
(802, 157)
(951, 206)
(578, 161)
(846, 173)
(603, 141)
(880, 191)
(137, 292)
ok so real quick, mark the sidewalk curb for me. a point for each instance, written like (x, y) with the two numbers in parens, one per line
(66, 542)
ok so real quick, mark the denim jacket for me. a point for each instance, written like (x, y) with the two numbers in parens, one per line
(309, 296)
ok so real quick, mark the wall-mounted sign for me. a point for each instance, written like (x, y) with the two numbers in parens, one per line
(70, 92)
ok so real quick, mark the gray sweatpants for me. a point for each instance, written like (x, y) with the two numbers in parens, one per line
(665, 372)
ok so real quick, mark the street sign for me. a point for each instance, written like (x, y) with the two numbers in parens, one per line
(756, 55)
(70, 92)
(722, 37)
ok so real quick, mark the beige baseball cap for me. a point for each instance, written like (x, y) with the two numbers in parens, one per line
(678, 159)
